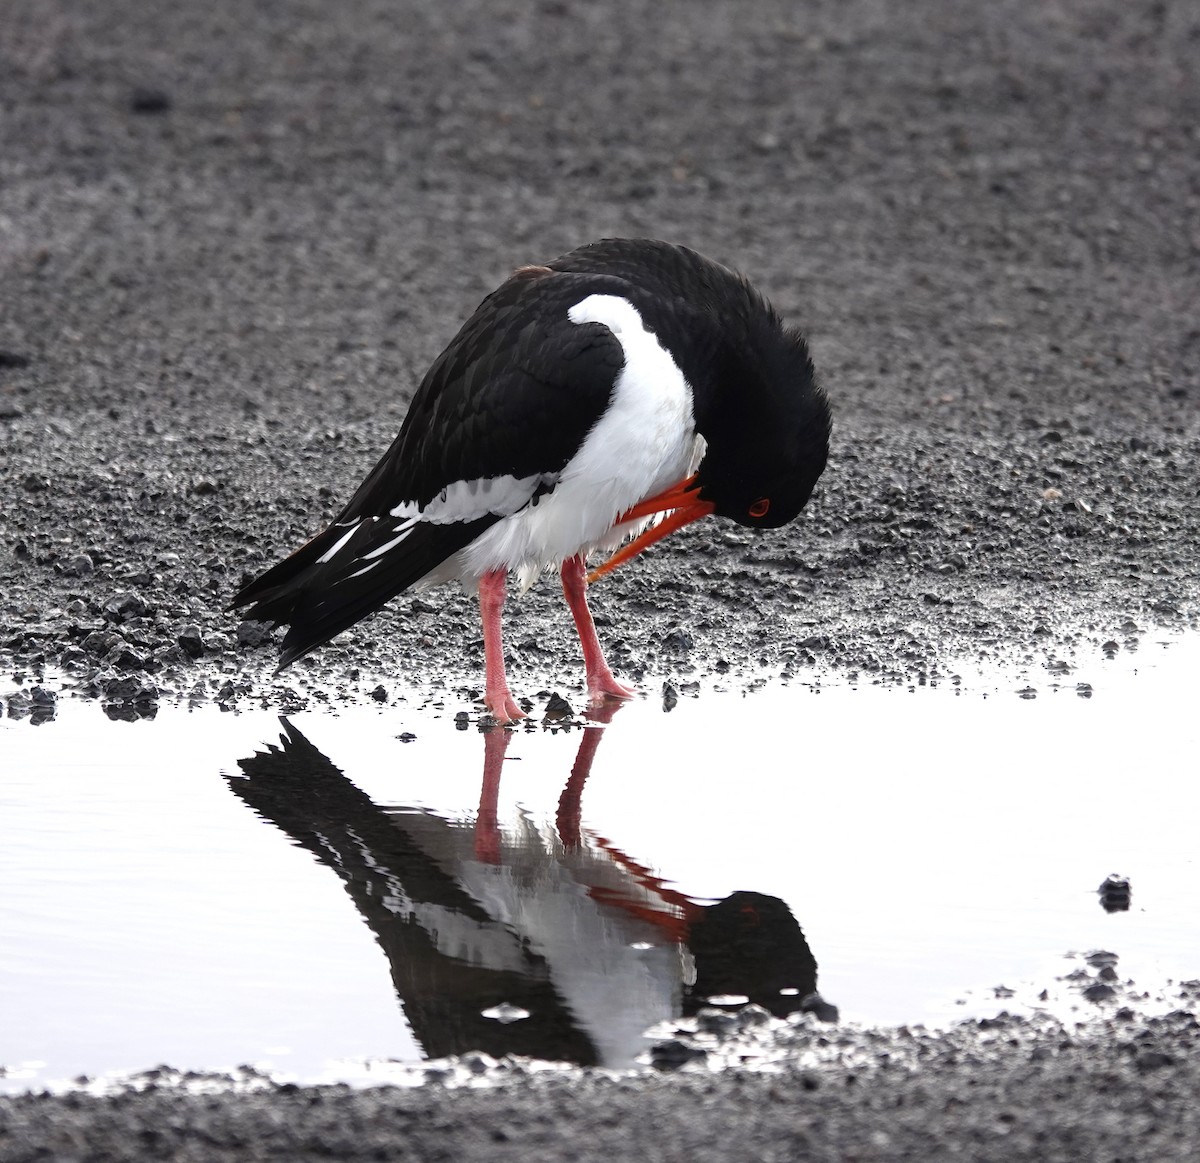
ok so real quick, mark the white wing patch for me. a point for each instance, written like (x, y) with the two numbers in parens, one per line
(470, 500)
(402, 531)
(338, 545)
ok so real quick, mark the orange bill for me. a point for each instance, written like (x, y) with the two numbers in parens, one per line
(682, 504)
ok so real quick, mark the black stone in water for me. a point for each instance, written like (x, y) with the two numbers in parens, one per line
(1115, 894)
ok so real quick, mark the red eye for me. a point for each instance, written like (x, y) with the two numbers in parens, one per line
(760, 507)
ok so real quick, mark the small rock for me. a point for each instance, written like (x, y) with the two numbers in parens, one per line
(190, 641)
(253, 633)
(148, 100)
(716, 1022)
(78, 566)
(129, 689)
(822, 1010)
(124, 657)
(124, 606)
(679, 640)
(1116, 895)
(1152, 1060)
(100, 642)
(673, 1054)
(750, 1016)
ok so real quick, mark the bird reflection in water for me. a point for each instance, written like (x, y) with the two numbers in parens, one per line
(536, 938)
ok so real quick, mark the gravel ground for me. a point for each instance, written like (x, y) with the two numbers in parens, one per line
(232, 237)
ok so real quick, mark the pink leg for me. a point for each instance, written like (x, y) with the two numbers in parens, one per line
(497, 697)
(601, 682)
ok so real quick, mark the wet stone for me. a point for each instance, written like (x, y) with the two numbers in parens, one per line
(253, 633)
(127, 689)
(674, 1053)
(123, 657)
(190, 641)
(716, 1022)
(100, 642)
(822, 1010)
(1152, 1060)
(78, 566)
(123, 607)
(1116, 894)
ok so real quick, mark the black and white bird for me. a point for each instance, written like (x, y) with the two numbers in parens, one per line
(623, 381)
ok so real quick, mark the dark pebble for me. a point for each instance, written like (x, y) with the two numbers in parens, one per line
(147, 100)
(122, 607)
(190, 641)
(128, 689)
(673, 1054)
(253, 633)
(78, 566)
(1152, 1060)
(822, 1010)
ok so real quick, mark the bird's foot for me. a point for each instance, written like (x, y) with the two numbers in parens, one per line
(603, 685)
(503, 707)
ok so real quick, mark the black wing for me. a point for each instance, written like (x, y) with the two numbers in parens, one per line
(514, 394)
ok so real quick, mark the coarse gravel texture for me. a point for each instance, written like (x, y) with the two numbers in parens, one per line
(233, 236)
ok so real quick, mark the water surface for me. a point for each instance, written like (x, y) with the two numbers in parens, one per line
(312, 894)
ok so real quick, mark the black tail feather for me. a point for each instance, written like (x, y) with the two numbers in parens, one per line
(318, 599)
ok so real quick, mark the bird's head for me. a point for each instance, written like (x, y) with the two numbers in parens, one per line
(765, 422)
(766, 425)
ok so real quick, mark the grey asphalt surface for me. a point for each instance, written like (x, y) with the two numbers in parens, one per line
(232, 237)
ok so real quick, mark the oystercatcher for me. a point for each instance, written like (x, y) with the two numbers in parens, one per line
(583, 399)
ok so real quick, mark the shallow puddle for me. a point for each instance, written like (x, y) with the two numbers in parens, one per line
(377, 884)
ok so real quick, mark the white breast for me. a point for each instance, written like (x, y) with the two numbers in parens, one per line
(643, 442)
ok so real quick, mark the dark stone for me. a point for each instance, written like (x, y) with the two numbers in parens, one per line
(251, 633)
(147, 100)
